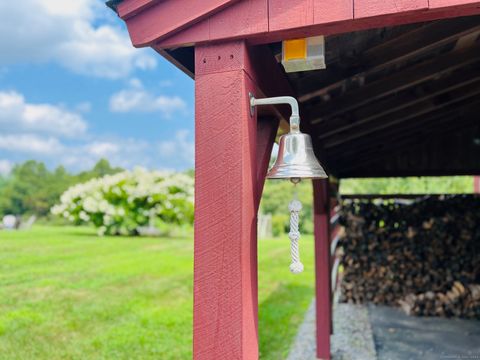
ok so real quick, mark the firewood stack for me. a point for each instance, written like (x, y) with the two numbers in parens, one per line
(423, 256)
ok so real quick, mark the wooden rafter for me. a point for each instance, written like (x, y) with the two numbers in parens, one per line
(373, 144)
(410, 77)
(396, 103)
(408, 114)
(394, 51)
(409, 142)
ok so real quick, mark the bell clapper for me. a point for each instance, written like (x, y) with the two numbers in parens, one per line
(295, 206)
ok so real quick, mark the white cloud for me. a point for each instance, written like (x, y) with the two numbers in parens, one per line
(56, 135)
(18, 115)
(66, 32)
(136, 98)
(5, 167)
(102, 149)
(180, 148)
(126, 153)
(30, 144)
(84, 107)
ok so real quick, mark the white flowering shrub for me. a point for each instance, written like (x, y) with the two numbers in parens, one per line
(119, 204)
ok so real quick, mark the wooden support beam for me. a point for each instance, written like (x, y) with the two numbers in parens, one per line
(232, 155)
(476, 184)
(266, 132)
(321, 219)
(399, 81)
(227, 193)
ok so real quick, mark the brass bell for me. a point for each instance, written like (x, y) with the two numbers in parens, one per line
(296, 159)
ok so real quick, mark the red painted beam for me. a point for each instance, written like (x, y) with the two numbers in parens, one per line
(476, 184)
(262, 17)
(435, 4)
(232, 153)
(303, 18)
(369, 8)
(267, 128)
(150, 21)
(225, 288)
(239, 20)
(130, 8)
(321, 219)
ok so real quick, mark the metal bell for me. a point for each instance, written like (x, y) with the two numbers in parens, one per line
(296, 159)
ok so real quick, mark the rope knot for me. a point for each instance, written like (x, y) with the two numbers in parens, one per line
(295, 206)
(294, 235)
(296, 267)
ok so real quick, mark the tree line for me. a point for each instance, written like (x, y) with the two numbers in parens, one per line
(31, 188)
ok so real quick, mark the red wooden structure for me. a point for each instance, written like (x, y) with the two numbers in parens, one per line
(399, 97)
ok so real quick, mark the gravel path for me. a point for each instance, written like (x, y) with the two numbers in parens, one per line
(352, 339)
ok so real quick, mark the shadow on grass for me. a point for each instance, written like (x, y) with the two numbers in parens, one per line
(280, 316)
(87, 232)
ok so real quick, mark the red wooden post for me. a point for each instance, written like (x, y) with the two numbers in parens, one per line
(322, 266)
(476, 184)
(227, 194)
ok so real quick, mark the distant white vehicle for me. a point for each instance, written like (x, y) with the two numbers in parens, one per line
(9, 222)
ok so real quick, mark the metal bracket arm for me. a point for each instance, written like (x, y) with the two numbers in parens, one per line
(287, 100)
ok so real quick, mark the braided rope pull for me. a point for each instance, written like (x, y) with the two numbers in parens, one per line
(296, 266)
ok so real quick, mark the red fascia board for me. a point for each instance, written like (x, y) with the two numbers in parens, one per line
(130, 8)
(343, 22)
(435, 4)
(151, 20)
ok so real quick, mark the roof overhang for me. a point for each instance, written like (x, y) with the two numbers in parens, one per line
(398, 95)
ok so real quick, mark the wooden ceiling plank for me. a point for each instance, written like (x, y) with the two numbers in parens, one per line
(390, 106)
(397, 82)
(373, 144)
(370, 146)
(434, 125)
(397, 50)
(404, 116)
(367, 160)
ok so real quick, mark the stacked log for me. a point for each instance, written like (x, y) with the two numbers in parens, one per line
(423, 256)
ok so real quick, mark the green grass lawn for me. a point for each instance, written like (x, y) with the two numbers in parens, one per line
(67, 294)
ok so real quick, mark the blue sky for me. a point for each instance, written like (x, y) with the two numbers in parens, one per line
(74, 90)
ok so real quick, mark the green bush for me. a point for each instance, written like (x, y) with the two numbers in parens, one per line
(280, 224)
(122, 203)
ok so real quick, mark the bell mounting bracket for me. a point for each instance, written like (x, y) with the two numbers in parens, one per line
(287, 100)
